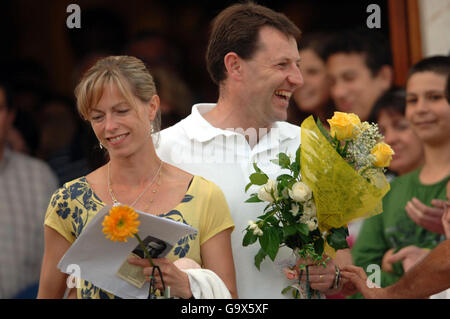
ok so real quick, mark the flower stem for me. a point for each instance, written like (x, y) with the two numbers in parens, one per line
(146, 253)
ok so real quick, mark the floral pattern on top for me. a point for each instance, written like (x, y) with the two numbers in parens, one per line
(76, 203)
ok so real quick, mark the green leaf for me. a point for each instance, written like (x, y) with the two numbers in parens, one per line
(283, 160)
(272, 220)
(318, 246)
(248, 186)
(259, 257)
(323, 130)
(285, 290)
(289, 230)
(270, 241)
(338, 238)
(249, 238)
(253, 199)
(257, 169)
(259, 178)
(303, 229)
(297, 155)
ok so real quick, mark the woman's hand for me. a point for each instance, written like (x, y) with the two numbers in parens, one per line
(174, 277)
(320, 278)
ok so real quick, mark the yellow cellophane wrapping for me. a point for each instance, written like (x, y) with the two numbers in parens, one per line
(341, 195)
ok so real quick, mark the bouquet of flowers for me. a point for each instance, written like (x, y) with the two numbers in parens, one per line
(335, 178)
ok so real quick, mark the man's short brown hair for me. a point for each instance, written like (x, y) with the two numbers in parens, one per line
(236, 29)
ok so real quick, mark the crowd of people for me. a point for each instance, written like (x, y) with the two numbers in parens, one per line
(139, 142)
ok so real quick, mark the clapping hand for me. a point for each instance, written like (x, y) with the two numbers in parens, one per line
(446, 220)
(428, 217)
(409, 256)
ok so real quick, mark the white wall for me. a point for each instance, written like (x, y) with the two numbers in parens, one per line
(435, 27)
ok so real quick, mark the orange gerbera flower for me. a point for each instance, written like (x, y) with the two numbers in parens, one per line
(120, 223)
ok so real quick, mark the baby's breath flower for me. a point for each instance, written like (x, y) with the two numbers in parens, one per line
(359, 149)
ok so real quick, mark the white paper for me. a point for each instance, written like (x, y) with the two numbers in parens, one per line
(99, 258)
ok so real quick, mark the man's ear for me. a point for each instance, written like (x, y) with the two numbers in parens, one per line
(233, 65)
(385, 76)
(154, 106)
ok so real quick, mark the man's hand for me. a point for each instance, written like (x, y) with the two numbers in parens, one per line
(386, 265)
(446, 220)
(409, 256)
(356, 277)
(428, 217)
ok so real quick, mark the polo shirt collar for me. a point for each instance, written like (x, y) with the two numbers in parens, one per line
(197, 128)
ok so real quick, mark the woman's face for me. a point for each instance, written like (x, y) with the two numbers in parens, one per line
(122, 128)
(315, 91)
(406, 144)
(427, 109)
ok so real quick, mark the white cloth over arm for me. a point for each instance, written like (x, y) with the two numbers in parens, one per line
(205, 284)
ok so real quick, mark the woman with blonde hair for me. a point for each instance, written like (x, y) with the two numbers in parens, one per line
(118, 97)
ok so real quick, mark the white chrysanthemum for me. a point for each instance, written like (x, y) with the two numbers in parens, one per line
(252, 224)
(312, 224)
(295, 209)
(309, 209)
(257, 232)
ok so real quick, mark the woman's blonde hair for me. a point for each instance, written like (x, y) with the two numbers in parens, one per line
(128, 73)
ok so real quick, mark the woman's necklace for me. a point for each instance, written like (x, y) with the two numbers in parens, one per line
(111, 193)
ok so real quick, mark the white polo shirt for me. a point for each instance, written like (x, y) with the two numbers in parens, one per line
(226, 158)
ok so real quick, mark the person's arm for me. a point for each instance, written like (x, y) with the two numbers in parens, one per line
(430, 276)
(52, 283)
(218, 257)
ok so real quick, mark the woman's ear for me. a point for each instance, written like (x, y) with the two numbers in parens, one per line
(233, 65)
(154, 106)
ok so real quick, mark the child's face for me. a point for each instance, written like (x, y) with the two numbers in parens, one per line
(427, 108)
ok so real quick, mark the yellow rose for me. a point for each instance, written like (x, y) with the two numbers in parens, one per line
(383, 154)
(342, 125)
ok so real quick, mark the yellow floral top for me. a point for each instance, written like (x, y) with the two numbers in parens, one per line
(203, 207)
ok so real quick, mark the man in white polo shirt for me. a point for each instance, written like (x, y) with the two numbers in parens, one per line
(253, 58)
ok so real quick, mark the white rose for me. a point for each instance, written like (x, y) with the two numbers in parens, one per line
(252, 224)
(294, 209)
(264, 193)
(300, 192)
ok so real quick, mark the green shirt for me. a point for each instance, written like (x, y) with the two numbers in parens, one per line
(393, 228)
